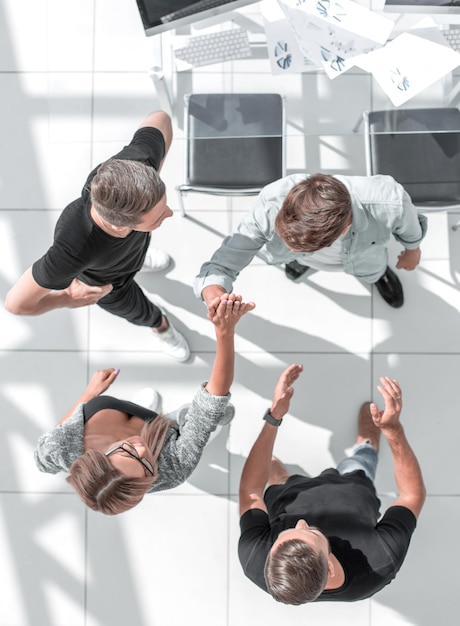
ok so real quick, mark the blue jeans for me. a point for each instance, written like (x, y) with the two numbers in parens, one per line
(364, 458)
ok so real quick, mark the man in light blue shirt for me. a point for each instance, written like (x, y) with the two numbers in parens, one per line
(331, 223)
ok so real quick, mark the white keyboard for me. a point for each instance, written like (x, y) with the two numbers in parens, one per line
(452, 36)
(224, 45)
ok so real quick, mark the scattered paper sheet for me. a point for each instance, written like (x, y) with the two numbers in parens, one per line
(411, 63)
(332, 32)
(284, 52)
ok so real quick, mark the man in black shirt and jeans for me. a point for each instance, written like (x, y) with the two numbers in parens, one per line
(101, 241)
(319, 539)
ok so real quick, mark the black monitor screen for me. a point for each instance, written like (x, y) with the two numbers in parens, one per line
(161, 15)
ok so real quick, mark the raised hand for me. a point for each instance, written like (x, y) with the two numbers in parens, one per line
(284, 391)
(226, 310)
(101, 380)
(392, 395)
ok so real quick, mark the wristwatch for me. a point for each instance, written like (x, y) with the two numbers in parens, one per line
(268, 417)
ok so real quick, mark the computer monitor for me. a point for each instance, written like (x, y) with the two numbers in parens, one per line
(422, 6)
(160, 15)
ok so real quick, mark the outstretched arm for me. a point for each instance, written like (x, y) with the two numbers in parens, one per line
(162, 121)
(26, 297)
(256, 470)
(408, 475)
(100, 381)
(224, 313)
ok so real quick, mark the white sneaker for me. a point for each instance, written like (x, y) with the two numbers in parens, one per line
(156, 260)
(148, 398)
(179, 414)
(173, 343)
(229, 414)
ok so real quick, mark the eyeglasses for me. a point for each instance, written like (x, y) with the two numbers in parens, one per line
(132, 452)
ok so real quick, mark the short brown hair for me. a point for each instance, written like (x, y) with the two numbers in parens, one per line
(104, 488)
(122, 191)
(314, 213)
(295, 573)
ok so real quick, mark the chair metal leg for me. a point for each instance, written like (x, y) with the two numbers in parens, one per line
(181, 202)
(456, 226)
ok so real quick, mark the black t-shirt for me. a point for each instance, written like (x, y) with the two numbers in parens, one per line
(81, 249)
(346, 509)
(99, 403)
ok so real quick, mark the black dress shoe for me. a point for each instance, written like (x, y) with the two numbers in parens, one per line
(390, 289)
(294, 270)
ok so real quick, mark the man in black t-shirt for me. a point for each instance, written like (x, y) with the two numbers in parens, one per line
(101, 241)
(319, 539)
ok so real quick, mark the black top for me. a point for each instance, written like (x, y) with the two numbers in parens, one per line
(100, 403)
(81, 249)
(346, 509)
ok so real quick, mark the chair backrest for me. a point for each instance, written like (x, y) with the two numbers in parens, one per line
(420, 148)
(234, 140)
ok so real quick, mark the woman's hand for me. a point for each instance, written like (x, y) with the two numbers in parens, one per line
(225, 311)
(100, 381)
(284, 391)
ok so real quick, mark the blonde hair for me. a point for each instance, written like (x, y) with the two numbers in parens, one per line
(105, 489)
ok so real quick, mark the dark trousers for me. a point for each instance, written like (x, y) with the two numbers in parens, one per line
(130, 302)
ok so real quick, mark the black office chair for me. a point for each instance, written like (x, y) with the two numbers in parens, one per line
(420, 148)
(235, 143)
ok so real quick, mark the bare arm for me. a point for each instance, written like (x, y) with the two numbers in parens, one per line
(408, 475)
(161, 121)
(26, 297)
(224, 313)
(256, 470)
(100, 381)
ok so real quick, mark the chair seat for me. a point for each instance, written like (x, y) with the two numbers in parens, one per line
(234, 161)
(420, 148)
(234, 143)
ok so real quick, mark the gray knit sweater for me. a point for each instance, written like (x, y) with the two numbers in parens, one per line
(58, 448)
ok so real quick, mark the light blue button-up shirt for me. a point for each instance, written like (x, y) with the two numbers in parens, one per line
(381, 208)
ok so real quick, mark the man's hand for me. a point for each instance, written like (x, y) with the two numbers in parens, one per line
(79, 294)
(408, 259)
(100, 381)
(388, 419)
(211, 293)
(225, 311)
(408, 476)
(284, 391)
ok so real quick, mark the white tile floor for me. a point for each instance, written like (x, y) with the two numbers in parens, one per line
(74, 85)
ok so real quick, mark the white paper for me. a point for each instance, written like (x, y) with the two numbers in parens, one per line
(409, 64)
(332, 32)
(284, 52)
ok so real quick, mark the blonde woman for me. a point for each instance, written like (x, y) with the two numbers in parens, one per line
(116, 451)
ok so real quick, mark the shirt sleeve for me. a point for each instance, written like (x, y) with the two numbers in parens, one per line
(58, 448)
(411, 227)
(68, 255)
(395, 530)
(184, 445)
(146, 146)
(237, 250)
(254, 545)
